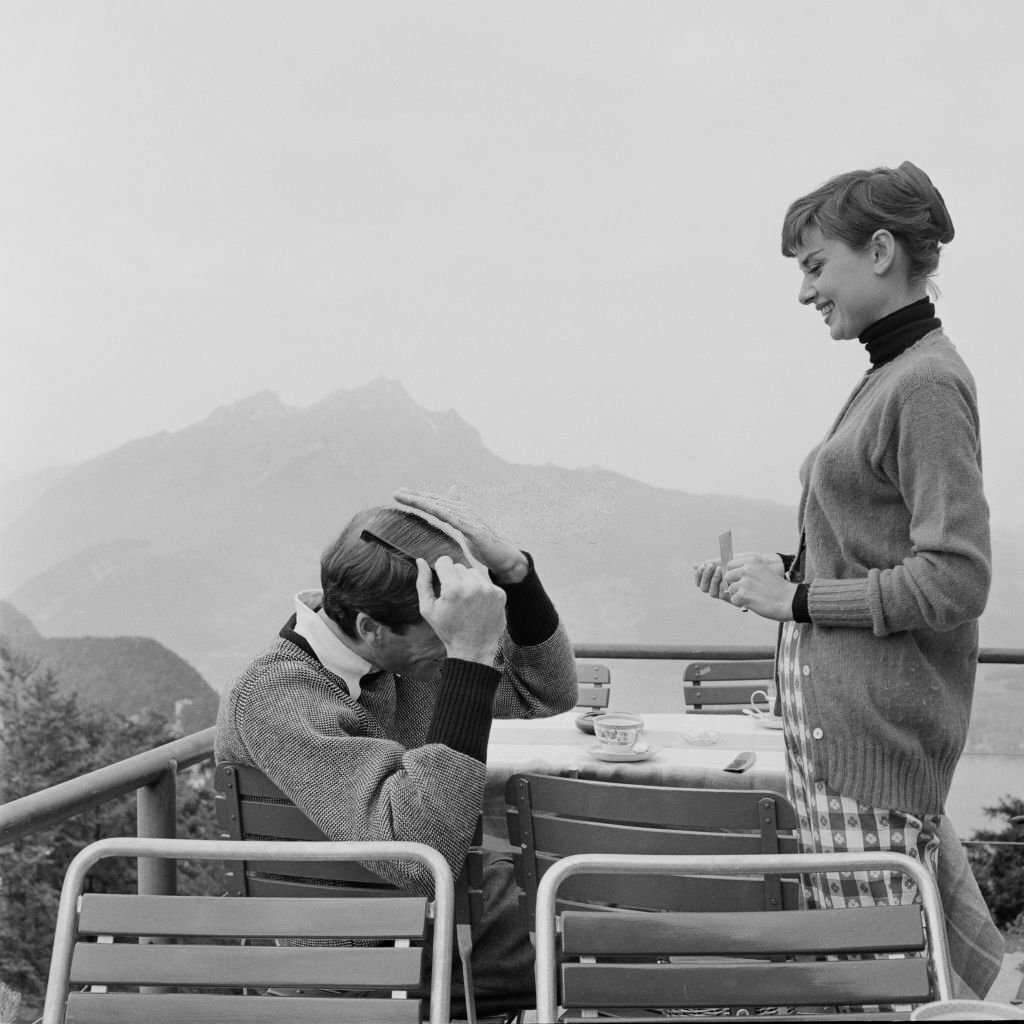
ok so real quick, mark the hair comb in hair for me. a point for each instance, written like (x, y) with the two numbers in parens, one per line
(936, 204)
(395, 549)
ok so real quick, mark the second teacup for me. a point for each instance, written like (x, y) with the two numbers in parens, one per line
(763, 704)
(618, 731)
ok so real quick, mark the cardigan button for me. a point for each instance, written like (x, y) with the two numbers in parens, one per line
(818, 732)
(807, 670)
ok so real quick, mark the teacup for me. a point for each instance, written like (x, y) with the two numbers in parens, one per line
(763, 704)
(618, 731)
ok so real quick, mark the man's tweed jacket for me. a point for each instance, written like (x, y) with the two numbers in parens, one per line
(405, 761)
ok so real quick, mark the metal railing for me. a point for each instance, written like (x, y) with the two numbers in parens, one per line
(152, 773)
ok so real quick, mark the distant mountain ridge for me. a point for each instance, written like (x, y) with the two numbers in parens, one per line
(199, 538)
(128, 674)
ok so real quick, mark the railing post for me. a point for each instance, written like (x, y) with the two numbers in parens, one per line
(157, 818)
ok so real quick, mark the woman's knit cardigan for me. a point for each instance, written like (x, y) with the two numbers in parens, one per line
(898, 560)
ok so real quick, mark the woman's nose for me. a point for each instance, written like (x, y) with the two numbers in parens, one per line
(806, 294)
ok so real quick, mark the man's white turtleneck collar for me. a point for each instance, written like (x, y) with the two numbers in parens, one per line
(334, 654)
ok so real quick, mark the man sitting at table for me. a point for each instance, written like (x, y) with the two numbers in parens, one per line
(372, 708)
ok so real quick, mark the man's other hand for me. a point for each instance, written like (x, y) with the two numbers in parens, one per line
(505, 560)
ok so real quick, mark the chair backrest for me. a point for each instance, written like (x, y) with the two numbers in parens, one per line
(188, 948)
(724, 687)
(249, 806)
(550, 817)
(727, 962)
(594, 685)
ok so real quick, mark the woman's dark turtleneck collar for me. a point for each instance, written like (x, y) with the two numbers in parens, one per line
(885, 339)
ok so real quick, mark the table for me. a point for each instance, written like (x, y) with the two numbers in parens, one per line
(555, 746)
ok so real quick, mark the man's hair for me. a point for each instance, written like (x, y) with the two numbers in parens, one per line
(851, 207)
(360, 575)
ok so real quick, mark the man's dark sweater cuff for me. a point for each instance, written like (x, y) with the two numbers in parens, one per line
(465, 707)
(801, 613)
(529, 613)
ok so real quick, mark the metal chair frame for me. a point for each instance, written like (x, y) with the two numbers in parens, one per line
(66, 931)
(548, 923)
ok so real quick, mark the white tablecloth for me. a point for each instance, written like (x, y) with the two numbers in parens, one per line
(555, 746)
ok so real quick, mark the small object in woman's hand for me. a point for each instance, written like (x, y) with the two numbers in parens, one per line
(725, 553)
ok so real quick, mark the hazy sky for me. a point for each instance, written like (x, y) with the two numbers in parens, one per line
(560, 219)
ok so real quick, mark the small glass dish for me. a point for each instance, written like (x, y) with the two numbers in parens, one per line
(701, 737)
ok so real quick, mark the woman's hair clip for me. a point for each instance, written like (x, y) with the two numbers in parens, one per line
(936, 204)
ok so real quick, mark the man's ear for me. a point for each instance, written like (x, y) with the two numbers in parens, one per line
(883, 250)
(369, 631)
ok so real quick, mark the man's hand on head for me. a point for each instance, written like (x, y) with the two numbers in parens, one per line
(468, 614)
(504, 559)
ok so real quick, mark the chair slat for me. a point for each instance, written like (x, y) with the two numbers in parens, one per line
(806, 932)
(299, 888)
(248, 781)
(128, 1008)
(350, 874)
(589, 672)
(703, 984)
(274, 821)
(763, 669)
(639, 805)
(720, 694)
(114, 914)
(676, 892)
(245, 966)
(601, 837)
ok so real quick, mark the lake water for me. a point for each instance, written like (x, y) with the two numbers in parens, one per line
(982, 780)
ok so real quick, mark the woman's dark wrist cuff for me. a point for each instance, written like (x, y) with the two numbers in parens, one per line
(800, 599)
(529, 613)
(465, 707)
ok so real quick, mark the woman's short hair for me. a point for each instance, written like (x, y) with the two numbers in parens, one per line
(853, 206)
(360, 575)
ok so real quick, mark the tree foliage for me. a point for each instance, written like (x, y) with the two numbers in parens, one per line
(47, 736)
(999, 869)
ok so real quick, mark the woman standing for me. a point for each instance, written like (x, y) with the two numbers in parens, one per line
(880, 604)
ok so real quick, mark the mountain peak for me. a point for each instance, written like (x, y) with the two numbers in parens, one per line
(260, 406)
(381, 392)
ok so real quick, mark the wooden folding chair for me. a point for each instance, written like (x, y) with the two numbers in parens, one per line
(725, 687)
(250, 806)
(122, 946)
(728, 964)
(550, 817)
(594, 685)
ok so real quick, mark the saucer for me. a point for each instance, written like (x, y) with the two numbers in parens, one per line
(641, 752)
(768, 722)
